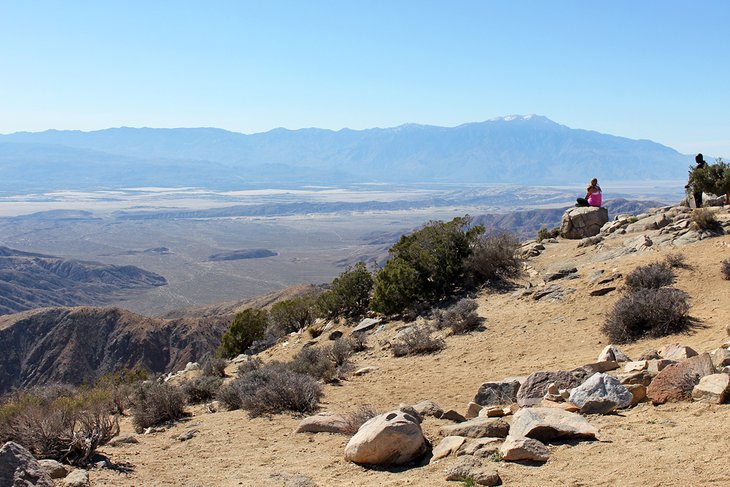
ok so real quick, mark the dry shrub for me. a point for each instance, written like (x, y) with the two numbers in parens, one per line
(272, 389)
(545, 234)
(67, 428)
(316, 362)
(462, 317)
(214, 367)
(676, 261)
(648, 313)
(154, 403)
(357, 418)
(417, 340)
(651, 276)
(494, 257)
(704, 219)
(252, 363)
(201, 389)
(120, 384)
(725, 268)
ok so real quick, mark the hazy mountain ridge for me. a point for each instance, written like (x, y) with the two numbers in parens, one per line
(31, 280)
(514, 149)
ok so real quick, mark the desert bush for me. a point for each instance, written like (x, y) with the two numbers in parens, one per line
(201, 389)
(67, 428)
(214, 367)
(494, 257)
(712, 178)
(272, 389)
(248, 326)
(357, 418)
(358, 342)
(462, 317)
(252, 363)
(316, 362)
(545, 234)
(348, 295)
(417, 340)
(425, 266)
(154, 403)
(704, 219)
(651, 276)
(648, 313)
(725, 268)
(292, 315)
(676, 260)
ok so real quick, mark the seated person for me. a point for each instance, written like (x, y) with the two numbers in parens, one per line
(593, 195)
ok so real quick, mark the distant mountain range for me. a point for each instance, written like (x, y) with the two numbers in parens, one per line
(527, 150)
(29, 280)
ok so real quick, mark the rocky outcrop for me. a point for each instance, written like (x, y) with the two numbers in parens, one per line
(583, 222)
(392, 438)
(18, 468)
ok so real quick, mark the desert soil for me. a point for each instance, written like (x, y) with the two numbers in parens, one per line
(673, 444)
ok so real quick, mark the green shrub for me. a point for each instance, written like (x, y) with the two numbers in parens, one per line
(348, 295)
(417, 340)
(651, 276)
(248, 326)
(272, 389)
(462, 317)
(711, 179)
(425, 266)
(154, 403)
(201, 389)
(648, 313)
(64, 426)
(292, 315)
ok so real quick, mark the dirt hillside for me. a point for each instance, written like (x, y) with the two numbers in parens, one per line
(673, 444)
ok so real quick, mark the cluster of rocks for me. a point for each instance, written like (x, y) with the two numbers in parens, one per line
(517, 418)
(18, 468)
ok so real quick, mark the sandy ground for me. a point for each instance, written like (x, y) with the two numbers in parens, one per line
(676, 444)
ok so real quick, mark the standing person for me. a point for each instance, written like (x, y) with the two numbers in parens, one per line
(700, 161)
(594, 195)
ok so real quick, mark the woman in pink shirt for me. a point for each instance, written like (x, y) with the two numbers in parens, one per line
(593, 195)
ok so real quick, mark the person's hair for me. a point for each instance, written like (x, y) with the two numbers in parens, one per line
(594, 182)
(699, 158)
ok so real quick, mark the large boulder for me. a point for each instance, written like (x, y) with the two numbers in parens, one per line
(583, 222)
(497, 393)
(547, 424)
(533, 389)
(392, 438)
(676, 381)
(18, 468)
(713, 388)
(600, 394)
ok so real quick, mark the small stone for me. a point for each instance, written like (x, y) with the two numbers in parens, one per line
(638, 393)
(410, 410)
(600, 394)
(54, 469)
(323, 423)
(472, 410)
(602, 291)
(603, 366)
(675, 351)
(428, 408)
(121, 440)
(547, 424)
(478, 428)
(366, 324)
(188, 435)
(497, 393)
(516, 449)
(713, 388)
(656, 366)
(494, 412)
(454, 416)
(77, 478)
(649, 355)
(637, 365)
(448, 446)
(480, 447)
(721, 357)
(470, 468)
(335, 335)
(612, 354)
(364, 370)
(565, 406)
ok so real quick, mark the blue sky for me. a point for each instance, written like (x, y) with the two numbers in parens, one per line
(658, 70)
